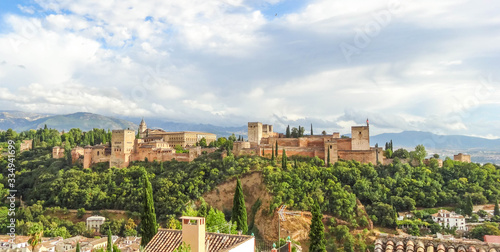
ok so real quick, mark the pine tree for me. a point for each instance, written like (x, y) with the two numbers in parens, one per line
(283, 160)
(276, 149)
(148, 218)
(239, 214)
(77, 247)
(109, 247)
(496, 211)
(288, 131)
(316, 234)
(312, 129)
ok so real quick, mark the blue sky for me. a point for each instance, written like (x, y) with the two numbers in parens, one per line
(429, 66)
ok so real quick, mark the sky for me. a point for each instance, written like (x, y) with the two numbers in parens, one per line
(406, 65)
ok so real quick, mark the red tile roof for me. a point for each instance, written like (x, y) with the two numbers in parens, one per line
(426, 244)
(492, 238)
(166, 240)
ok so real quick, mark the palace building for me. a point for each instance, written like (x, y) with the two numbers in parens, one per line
(262, 139)
(151, 145)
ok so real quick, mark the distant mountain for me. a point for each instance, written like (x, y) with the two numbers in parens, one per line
(174, 126)
(15, 119)
(410, 139)
(20, 121)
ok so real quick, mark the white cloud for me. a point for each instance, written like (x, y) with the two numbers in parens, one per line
(223, 62)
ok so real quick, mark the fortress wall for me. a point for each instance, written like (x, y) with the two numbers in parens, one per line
(363, 156)
(344, 144)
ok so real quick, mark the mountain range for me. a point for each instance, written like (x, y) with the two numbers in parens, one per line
(21, 121)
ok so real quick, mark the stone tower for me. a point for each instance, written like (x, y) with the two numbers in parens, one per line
(360, 137)
(142, 129)
(122, 144)
(254, 132)
(87, 156)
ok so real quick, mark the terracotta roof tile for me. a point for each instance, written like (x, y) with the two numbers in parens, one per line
(166, 240)
(492, 238)
(435, 245)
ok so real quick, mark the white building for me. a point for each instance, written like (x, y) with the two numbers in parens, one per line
(449, 219)
(95, 222)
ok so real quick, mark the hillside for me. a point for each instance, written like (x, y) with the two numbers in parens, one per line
(267, 224)
(21, 121)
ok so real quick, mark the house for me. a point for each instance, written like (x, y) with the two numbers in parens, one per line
(450, 219)
(94, 222)
(129, 244)
(405, 215)
(193, 234)
(20, 243)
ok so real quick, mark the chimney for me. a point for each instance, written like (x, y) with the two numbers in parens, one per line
(193, 233)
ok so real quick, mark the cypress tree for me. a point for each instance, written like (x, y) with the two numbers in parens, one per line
(468, 206)
(109, 247)
(328, 159)
(276, 149)
(283, 160)
(239, 214)
(77, 247)
(391, 146)
(312, 129)
(148, 219)
(288, 131)
(272, 153)
(316, 234)
(496, 211)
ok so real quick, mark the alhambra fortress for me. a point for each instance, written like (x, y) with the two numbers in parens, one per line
(157, 144)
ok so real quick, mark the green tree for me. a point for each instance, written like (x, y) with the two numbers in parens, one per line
(288, 131)
(183, 248)
(276, 149)
(468, 208)
(401, 154)
(284, 160)
(203, 142)
(148, 218)
(239, 214)
(316, 234)
(419, 153)
(496, 210)
(80, 213)
(36, 233)
(349, 243)
(77, 247)
(272, 153)
(488, 228)
(109, 247)
(328, 158)
(312, 129)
